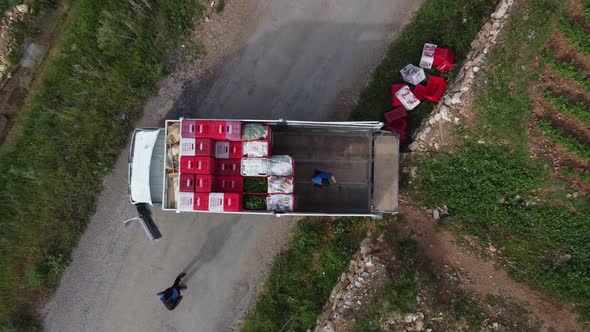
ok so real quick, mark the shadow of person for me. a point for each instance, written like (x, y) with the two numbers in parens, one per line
(216, 238)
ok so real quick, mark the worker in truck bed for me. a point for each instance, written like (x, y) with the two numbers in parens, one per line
(171, 296)
(321, 179)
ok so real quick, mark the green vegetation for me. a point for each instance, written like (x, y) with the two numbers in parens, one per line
(564, 139)
(576, 34)
(220, 6)
(254, 202)
(456, 29)
(303, 275)
(111, 55)
(255, 185)
(398, 296)
(578, 110)
(286, 305)
(22, 29)
(497, 192)
(568, 69)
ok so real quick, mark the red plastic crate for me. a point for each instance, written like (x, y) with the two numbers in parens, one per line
(225, 130)
(435, 88)
(186, 182)
(232, 202)
(219, 202)
(228, 167)
(194, 128)
(395, 114)
(197, 165)
(204, 183)
(204, 147)
(394, 100)
(228, 184)
(228, 150)
(419, 91)
(444, 59)
(201, 202)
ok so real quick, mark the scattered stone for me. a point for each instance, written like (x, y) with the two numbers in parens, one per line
(408, 318)
(419, 326)
(492, 249)
(22, 8)
(436, 214)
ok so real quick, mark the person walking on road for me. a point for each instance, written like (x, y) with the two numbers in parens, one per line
(171, 296)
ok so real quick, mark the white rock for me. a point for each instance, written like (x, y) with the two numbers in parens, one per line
(408, 318)
(475, 69)
(436, 214)
(357, 284)
(419, 326)
(22, 8)
(501, 11)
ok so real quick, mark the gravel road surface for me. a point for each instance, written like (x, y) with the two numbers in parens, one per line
(299, 60)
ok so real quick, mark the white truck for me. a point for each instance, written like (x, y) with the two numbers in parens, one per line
(166, 172)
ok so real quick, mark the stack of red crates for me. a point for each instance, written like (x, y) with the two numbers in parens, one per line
(210, 164)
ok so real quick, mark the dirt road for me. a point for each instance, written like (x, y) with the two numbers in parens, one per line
(298, 60)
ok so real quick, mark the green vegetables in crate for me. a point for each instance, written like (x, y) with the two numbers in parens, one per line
(253, 131)
(255, 185)
(254, 202)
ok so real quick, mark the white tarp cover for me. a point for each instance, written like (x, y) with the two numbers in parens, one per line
(140, 167)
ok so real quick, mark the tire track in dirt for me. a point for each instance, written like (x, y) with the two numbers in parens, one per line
(482, 277)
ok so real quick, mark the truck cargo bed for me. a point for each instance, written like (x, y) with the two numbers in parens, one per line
(347, 155)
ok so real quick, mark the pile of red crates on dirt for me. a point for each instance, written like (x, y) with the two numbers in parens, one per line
(210, 164)
(407, 96)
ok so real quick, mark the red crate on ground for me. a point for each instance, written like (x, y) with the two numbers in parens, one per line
(197, 165)
(194, 128)
(201, 202)
(394, 100)
(228, 150)
(395, 114)
(204, 183)
(419, 91)
(204, 147)
(228, 167)
(186, 182)
(444, 59)
(225, 130)
(228, 184)
(435, 88)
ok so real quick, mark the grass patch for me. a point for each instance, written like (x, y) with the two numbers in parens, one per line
(302, 276)
(456, 29)
(578, 110)
(567, 69)
(220, 6)
(493, 191)
(111, 55)
(398, 296)
(576, 34)
(564, 139)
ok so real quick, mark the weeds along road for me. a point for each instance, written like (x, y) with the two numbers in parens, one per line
(299, 60)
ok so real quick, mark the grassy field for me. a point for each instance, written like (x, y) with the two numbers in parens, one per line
(111, 55)
(287, 306)
(496, 191)
(456, 29)
(303, 275)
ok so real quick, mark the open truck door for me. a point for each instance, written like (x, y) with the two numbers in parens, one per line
(146, 165)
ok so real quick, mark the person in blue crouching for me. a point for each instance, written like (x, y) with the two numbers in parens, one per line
(171, 296)
(321, 179)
